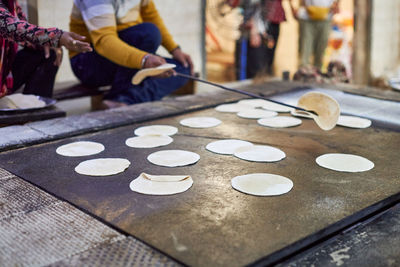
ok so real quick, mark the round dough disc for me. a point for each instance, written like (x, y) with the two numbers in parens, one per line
(226, 147)
(256, 114)
(148, 141)
(151, 187)
(173, 158)
(260, 153)
(80, 149)
(232, 108)
(255, 103)
(156, 130)
(200, 122)
(353, 122)
(276, 107)
(301, 114)
(326, 107)
(344, 162)
(262, 184)
(102, 166)
(144, 73)
(279, 122)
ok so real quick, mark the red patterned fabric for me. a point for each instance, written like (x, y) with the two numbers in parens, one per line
(274, 11)
(15, 29)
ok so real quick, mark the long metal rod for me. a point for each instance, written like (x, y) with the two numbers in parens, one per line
(241, 92)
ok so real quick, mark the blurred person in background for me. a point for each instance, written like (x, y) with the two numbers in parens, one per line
(255, 50)
(315, 19)
(31, 54)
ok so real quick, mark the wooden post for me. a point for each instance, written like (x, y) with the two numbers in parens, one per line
(362, 42)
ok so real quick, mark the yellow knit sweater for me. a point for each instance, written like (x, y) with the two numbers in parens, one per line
(101, 20)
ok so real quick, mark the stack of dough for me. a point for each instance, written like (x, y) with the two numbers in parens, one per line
(161, 184)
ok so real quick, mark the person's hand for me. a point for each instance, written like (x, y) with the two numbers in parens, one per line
(58, 51)
(153, 61)
(75, 42)
(183, 58)
(59, 56)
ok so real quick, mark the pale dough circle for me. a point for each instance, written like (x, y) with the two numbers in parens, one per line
(344, 162)
(161, 185)
(102, 166)
(353, 122)
(256, 114)
(173, 158)
(260, 153)
(149, 141)
(301, 114)
(232, 108)
(276, 107)
(262, 184)
(226, 147)
(255, 103)
(200, 122)
(147, 72)
(279, 122)
(80, 149)
(327, 109)
(156, 129)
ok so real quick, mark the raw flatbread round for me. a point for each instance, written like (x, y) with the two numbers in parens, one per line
(173, 158)
(255, 103)
(200, 122)
(256, 114)
(353, 122)
(80, 149)
(344, 162)
(276, 107)
(232, 108)
(102, 166)
(301, 114)
(144, 73)
(279, 122)
(165, 178)
(326, 107)
(156, 130)
(260, 153)
(226, 147)
(262, 184)
(148, 141)
(161, 185)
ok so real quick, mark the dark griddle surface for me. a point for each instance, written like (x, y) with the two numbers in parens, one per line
(212, 224)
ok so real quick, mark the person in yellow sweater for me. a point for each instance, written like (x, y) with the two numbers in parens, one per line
(125, 35)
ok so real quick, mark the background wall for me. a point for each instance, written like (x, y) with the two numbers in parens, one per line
(182, 17)
(385, 38)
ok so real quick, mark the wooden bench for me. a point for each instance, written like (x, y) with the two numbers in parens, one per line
(73, 90)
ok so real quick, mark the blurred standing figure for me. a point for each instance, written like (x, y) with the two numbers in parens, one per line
(255, 50)
(30, 54)
(274, 15)
(315, 18)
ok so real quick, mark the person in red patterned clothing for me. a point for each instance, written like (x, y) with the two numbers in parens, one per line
(30, 54)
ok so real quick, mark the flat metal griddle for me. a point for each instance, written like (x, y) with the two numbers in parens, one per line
(212, 224)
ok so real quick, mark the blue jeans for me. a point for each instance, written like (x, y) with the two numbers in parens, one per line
(95, 70)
